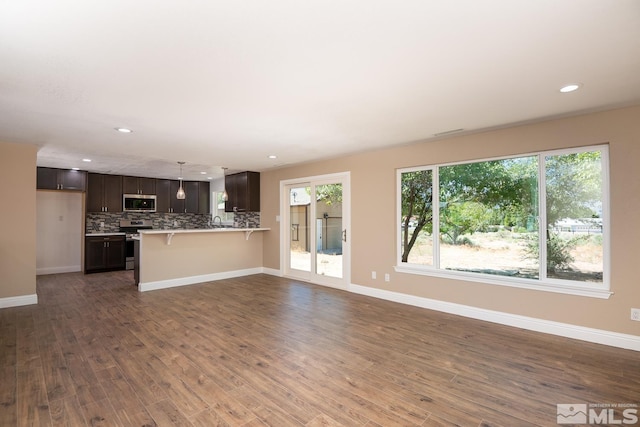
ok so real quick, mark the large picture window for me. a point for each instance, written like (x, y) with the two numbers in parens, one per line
(537, 220)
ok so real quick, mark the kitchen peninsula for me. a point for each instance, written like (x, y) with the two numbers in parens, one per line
(169, 258)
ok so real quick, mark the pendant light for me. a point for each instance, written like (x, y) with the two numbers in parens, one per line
(225, 195)
(180, 195)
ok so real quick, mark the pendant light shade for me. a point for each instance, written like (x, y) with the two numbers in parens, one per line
(225, 195)
(180, 195)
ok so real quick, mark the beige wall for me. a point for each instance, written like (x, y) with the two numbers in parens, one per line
(18, 220)
(373, 205)
(197, 254)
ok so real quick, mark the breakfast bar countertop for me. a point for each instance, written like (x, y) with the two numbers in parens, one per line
(201, 230)
(170, 233)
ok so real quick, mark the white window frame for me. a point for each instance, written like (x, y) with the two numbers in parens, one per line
(543, 283)
(227, 218)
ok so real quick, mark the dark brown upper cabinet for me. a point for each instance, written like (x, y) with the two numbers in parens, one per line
(163, 196)
(175, 205)
(104, 193)
(192, 195)
(166, 201)
(138, 185)
(196, 201)
(198, 198)
(243, 190)
(204, 198)
(61, 179)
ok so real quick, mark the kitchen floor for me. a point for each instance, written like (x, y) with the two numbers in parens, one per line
(268, 351)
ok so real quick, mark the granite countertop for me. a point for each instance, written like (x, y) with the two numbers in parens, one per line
(104, 234)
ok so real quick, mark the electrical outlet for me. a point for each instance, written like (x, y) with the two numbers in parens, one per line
(373, 275)
(386, 277)
(635, 314)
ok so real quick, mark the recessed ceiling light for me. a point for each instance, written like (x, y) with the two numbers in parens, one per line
(273, 156)
(569, 88)
(124, 130)
(86, 160)
(75, 169)
(209, 177)
(203, 173)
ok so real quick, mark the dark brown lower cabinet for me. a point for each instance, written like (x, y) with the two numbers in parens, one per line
(104, 253)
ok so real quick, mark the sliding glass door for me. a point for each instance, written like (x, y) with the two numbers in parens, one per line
(316, 233)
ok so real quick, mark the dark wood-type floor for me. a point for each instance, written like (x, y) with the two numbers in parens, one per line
(261, 350)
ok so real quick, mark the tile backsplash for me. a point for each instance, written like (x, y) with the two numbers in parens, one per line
(246, 220)
(107, 222)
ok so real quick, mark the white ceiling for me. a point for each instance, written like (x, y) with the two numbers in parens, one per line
(227, 83)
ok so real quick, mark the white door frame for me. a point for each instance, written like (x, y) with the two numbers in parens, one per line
(345, 178)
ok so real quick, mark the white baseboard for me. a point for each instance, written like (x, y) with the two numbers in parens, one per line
(272, 271)
(18, 301)
(599, 336)
(192, 280)
(56, 270)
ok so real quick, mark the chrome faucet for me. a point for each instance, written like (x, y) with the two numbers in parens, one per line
(219, 220)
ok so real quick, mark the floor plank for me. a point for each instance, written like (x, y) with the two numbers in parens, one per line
(265, 351)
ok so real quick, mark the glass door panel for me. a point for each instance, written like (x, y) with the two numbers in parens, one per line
(299, 228)
(329, 230)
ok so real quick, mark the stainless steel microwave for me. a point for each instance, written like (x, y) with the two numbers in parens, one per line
(139, 202)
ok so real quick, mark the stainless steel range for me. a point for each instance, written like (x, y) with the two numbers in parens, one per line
(130, 227)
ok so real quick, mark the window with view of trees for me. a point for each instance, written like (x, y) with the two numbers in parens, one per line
(538, 217)
(218, 208)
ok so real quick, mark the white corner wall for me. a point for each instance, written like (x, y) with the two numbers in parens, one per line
(59, 232)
